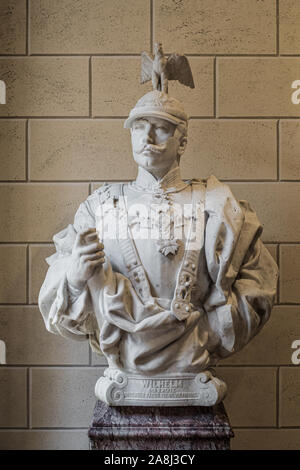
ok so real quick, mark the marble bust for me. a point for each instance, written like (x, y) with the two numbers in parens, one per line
(163, 276)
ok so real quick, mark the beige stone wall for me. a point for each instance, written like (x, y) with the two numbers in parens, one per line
(72, 70)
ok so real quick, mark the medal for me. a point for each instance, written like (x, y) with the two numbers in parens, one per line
(167, 247)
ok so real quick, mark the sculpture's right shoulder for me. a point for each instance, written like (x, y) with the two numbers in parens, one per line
(100, 194)
(104, 194)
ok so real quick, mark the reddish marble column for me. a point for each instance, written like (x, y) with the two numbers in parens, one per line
(160, 428)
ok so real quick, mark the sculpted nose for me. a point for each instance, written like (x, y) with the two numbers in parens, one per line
(148, 139)
(149, 135)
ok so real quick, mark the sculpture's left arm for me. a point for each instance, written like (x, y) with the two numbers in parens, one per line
(249, 302)
(243, 273)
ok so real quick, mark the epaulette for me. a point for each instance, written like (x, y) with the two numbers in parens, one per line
(199, 181)
(108, 191)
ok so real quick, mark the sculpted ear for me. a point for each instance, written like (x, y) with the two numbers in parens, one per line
(182, 147)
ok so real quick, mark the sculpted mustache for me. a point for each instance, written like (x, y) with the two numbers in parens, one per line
(153, 148)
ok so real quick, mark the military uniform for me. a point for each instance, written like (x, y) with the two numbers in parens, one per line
(163, 307)
(143, 307)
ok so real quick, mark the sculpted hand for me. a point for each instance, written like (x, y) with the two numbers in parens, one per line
(87, 255)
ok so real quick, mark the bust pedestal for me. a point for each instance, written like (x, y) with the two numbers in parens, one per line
(160, 428)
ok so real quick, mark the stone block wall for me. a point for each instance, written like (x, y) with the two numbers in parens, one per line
(71, 69)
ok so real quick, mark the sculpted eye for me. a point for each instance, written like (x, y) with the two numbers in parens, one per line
(138, 125)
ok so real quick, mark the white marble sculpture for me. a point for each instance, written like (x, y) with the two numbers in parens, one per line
(163, 276)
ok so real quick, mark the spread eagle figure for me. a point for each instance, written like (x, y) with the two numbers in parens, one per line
(160, 69)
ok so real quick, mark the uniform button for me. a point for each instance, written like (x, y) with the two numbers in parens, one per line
(193, 267)
(186, 264)
(187, 308)
(186, 284)
(177, 305)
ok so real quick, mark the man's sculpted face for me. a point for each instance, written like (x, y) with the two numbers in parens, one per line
(155, 144)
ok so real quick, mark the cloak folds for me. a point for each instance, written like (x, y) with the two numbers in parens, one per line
(232, 296)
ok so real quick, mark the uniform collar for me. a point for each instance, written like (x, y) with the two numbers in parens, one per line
(171, 181)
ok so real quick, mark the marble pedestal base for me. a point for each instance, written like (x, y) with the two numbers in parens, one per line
(160, 428)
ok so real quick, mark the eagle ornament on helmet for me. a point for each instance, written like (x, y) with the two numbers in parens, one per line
(158, 103)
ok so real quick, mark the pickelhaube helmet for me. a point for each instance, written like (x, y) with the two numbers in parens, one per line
(157, 104)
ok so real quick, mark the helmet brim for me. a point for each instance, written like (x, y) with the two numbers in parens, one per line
(139, 114)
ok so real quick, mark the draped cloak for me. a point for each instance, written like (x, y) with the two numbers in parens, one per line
(232, 297)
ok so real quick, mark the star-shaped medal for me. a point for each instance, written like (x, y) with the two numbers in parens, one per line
(168, 247)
